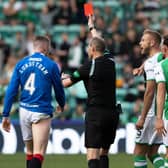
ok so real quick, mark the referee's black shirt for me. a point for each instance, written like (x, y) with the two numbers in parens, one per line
(99, 77)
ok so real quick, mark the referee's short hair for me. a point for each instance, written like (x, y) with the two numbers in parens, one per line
(154, 34)
(39, 41)
(165, 40)
(98, 43)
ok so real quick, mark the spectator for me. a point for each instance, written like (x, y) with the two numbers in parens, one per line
(52, 7)
(63, 16)
(75, 55)
(5, 50)
(46, 18)
(64, 51)
(19, 47)
(26, 15)
(11, 9)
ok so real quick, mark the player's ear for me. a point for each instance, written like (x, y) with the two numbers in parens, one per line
(93, 49)
(152, 43)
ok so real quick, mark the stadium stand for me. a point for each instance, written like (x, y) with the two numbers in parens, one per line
(121, 23)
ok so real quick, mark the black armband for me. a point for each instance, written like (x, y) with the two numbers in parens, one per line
(91, 28)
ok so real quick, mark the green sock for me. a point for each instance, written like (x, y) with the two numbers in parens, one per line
(166, 163)
(157, 161)
(140, 162)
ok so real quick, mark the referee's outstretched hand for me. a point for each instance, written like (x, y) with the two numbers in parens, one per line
(91, 21)
(6, 125)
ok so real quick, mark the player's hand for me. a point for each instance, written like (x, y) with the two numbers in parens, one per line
(6, 125)
(64, 76)
(139, 124)
(59, 109)
(138, 71)
(159, 126)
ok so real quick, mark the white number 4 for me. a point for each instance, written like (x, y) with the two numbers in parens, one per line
(30, 83)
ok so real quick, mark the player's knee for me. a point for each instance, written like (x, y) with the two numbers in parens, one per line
(104, 152)
(139, 151)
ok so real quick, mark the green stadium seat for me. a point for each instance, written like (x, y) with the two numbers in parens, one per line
(38, 5)
(98, 4)
(113, 4)
(40, 30)
(72, 31)
(5, 31)
(57, 38)
(127, 109)
(74, 28)
(12, 29)
(9, 40)
(138, 79)
(119, 67)
(120, 93)
(133, 91)
(155, 26)
(18, 28)
(59, 29)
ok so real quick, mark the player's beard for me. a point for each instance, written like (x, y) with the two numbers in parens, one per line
(90, 56)
(145, 51)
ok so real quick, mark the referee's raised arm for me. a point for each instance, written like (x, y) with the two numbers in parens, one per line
(92, 27)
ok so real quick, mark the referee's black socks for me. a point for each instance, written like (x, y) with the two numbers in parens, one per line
(36, 161)
(93, 163)
(104, 161)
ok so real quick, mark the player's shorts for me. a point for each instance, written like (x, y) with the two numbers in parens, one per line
(165, 138)
(26, 119)
(148, 134)
(101, 133)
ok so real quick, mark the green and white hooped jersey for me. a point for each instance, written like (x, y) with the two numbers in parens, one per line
(161, 74)
(149, 66)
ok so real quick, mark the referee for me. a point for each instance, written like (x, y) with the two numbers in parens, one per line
(101, 121)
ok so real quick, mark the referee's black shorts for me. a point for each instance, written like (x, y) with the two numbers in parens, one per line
(100, 127)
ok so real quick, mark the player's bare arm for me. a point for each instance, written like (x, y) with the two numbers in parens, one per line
(161, 93)
(138, 71)
(148, 98)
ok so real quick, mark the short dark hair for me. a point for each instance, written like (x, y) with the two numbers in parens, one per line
(156, 35)
(165, 40)
(98, 43)
(41, 40)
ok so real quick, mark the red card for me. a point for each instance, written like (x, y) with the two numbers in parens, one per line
(88, 9)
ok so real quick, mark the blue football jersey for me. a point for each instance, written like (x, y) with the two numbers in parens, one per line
(35, 75)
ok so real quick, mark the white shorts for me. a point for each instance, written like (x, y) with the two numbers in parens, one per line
(148, 134)
(165, 138)
(26, 119)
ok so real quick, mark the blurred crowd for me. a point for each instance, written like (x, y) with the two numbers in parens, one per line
(120, 22)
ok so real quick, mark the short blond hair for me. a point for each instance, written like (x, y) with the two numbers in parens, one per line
(154, 34)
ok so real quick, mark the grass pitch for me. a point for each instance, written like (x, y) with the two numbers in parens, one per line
(65, 161)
